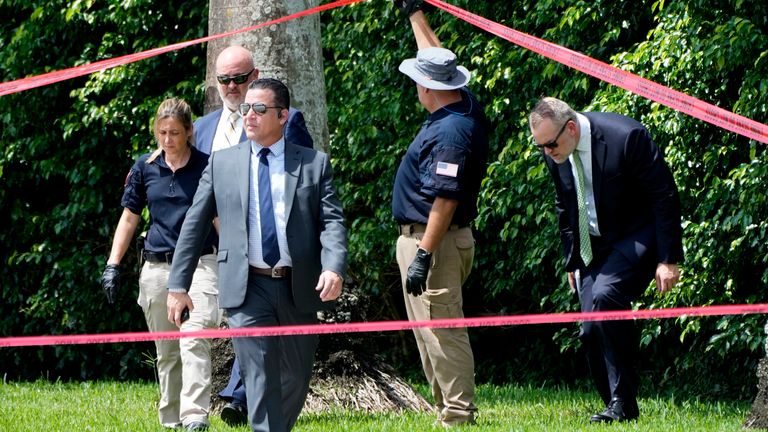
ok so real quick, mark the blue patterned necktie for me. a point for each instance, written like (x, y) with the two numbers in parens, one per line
(269, 247)
(585, 248)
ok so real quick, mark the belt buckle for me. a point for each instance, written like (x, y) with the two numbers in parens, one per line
(275, 273)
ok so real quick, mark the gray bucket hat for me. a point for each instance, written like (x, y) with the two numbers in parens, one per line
(435, 68)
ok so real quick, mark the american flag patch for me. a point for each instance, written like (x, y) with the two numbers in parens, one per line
(447, 169)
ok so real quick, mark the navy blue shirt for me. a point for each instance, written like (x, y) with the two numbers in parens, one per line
(168, 196)
(447, 159)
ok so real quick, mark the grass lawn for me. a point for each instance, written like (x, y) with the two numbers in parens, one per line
(117, 406)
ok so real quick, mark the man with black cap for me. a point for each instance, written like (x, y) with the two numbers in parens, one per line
(434, 202)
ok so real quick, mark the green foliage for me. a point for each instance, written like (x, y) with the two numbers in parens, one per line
(717, 55)
(68, 145)
(67, 148)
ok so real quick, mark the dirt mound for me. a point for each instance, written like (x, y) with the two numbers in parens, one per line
(352, 381)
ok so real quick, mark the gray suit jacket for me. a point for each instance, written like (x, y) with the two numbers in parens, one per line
(317, 236)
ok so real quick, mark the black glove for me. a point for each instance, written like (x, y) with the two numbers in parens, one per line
(416, 279)
(408, 7)
(110, 282)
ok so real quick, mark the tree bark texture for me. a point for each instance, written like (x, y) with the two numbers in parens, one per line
(758, 416)
(290, 52)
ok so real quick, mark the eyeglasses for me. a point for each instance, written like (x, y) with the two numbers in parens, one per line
(238, 79)
(552, 144)
(258, 107)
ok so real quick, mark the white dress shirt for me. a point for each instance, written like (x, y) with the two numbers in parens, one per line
(584, 147)
(276, 159)
(220, 138)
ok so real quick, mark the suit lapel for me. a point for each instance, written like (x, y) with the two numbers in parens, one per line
(243, 174)
(205, 129)
(599, 153)
(292, 171)
(569, 190)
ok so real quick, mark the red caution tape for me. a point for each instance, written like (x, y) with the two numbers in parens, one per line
(620, 78)
(61, 75)
(382, 326)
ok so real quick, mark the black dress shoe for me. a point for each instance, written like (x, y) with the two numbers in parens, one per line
(234, 414)
(619, 410)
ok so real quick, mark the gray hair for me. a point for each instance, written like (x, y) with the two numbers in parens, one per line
(551, 108)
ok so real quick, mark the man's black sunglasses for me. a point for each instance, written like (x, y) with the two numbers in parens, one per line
(552, 144)
(238, 79)
(258, 107)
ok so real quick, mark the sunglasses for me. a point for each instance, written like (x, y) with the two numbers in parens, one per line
(552, 144)
(258, 107)
(238, 79)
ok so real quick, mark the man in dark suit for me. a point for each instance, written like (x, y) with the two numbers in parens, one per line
(282, 253)
(235, 70)
(618, 210)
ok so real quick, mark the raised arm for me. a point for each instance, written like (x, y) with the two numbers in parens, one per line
(414, 11)
(425, 36)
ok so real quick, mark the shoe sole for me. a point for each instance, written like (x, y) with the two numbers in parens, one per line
(232, 417)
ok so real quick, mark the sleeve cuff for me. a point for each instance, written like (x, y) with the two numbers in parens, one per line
(177, 290)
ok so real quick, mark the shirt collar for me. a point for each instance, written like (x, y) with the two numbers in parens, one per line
(585, 134)
(193, 157)
(277, 148)
(226, 113)
(461, 108)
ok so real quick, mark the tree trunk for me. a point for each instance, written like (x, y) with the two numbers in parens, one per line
(290, 52)
(758, 416)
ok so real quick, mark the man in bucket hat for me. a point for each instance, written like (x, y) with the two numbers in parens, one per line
(434, 202)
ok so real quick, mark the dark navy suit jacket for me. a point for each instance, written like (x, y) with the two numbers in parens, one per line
(638, 206)
(295, 130)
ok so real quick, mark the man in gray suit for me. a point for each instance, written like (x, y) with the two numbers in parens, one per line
(224, 128)
(282, 255)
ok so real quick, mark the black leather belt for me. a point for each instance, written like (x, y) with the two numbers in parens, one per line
(167, 257)
(275, 272)
(409, 229)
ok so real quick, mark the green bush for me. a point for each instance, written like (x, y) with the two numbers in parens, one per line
(67, 148)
